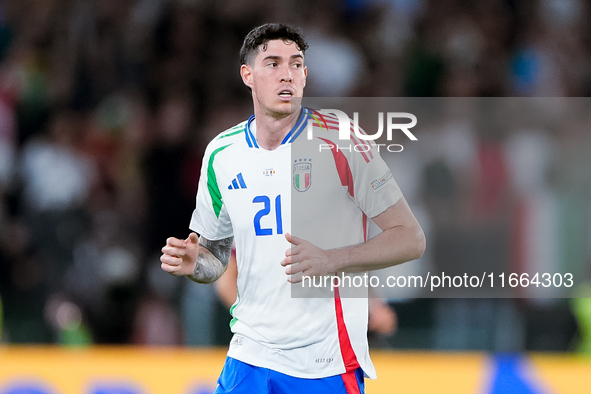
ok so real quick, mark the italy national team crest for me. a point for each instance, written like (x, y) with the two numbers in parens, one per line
(302, 174)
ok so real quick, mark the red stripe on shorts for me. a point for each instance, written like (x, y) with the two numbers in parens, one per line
(350, 381)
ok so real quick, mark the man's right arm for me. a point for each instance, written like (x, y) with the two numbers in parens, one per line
(212, 260)
(203, 264)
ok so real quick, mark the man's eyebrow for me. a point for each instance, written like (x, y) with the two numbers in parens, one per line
(275, 57)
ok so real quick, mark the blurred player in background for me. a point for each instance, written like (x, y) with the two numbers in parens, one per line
(283, 344)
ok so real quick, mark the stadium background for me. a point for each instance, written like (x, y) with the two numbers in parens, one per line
(106, 107)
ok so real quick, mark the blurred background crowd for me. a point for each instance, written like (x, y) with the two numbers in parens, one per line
(106, 107)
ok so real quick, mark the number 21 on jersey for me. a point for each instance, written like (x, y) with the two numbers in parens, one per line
(266, 210)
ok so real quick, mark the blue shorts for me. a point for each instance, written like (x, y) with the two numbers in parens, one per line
(241, 378)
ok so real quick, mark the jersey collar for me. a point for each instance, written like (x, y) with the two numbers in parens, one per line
(294, 133)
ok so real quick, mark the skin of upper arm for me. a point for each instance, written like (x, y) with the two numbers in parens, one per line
(400, 216)
(226, 285)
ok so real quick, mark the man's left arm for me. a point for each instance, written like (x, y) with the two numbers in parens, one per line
(402, 239)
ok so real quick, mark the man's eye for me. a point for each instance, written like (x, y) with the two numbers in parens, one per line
(273, 64)
(297, 65)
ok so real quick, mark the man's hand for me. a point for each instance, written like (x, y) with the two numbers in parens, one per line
(304, 258)
(179, 257)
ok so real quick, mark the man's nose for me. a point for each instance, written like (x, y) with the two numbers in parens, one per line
(286, 75)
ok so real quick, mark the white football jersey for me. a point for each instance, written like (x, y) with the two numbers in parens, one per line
(322, 195)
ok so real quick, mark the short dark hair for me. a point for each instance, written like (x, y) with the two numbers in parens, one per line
(270, 31)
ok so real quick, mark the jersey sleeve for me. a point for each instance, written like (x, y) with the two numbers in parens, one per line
(210, 218)
(375, 189)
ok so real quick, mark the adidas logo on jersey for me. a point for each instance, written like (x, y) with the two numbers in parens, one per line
(237, 183)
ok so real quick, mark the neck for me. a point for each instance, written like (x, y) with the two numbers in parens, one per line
(271, 130)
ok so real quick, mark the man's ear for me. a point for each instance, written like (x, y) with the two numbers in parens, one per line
(306, 75)
(246, 74)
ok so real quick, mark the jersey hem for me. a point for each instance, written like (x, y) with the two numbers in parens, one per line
(247, 349)
(258, 362)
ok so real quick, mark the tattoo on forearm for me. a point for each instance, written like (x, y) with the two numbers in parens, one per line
(213, 260)
(221, 249)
